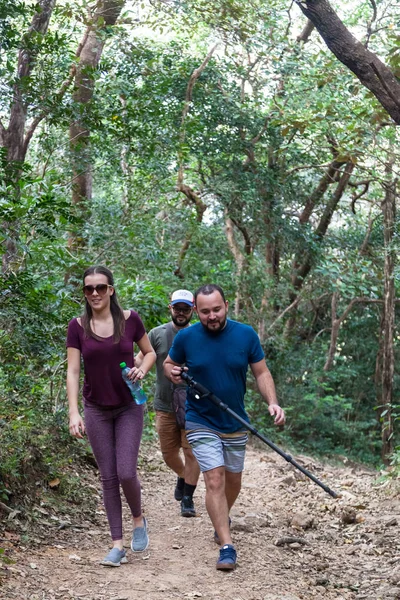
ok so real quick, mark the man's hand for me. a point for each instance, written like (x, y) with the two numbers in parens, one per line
(176, 373)
(276, 411)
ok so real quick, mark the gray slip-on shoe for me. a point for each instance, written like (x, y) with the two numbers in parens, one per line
(114, 558)
(140, 538)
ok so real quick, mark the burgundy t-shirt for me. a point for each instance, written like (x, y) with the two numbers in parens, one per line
(103, 384)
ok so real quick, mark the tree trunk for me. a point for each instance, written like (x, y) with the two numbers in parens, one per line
(337, 323)
(239, 260)
(105, 16)
(326, 180)
(12, 138)
(389, 211)
(193, 198)
(303, 266)
(371, 71)
(303, 262)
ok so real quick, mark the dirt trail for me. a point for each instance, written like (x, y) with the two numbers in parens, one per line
(346, 549)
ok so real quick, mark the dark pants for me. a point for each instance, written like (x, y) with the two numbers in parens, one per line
(114, 436)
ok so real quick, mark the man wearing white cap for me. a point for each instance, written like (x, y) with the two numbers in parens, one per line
(172, 437)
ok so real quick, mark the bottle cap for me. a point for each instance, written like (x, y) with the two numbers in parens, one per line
(122, 365)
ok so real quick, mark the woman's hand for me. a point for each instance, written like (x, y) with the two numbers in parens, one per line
(136, 374)
(76, 425)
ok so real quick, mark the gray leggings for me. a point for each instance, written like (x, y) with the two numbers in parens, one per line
(114, 436)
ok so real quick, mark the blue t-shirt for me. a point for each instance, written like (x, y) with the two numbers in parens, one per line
(219, 362)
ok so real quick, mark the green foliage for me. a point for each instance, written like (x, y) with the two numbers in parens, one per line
(35, 441)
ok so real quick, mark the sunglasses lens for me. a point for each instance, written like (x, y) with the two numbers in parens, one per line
(101, 289)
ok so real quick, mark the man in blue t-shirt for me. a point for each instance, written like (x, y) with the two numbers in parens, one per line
(217, 353)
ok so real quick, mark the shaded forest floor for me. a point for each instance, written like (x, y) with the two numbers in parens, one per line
(293, 541)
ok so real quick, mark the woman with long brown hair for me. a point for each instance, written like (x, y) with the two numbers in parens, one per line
(104, 336)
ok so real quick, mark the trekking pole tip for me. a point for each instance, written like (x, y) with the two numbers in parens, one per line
(335, 495)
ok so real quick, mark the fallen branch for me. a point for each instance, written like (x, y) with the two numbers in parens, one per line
(65, 525)
(6, 508)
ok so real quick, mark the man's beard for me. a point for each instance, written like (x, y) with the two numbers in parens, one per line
(181, 322)
(219, 329)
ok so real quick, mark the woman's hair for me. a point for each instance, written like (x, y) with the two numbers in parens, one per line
(116, 310)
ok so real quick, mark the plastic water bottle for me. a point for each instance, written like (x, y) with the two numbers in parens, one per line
(134, 387)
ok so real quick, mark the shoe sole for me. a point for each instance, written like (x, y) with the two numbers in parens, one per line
(187, 513)
(225, 566)
(142, 549)
(111, 564)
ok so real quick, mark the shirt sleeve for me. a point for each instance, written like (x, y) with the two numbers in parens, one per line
(152, 338)
(139, 327)
(73, 339)
(177, 350)
(256, 352)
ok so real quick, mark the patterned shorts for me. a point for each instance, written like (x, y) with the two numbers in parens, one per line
(213, 449)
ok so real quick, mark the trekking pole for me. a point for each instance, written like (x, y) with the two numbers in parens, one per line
(204, 392)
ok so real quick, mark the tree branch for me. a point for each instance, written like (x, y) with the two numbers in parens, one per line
(372, 20)
(193, 198)
(57, 96)
(284, 312)
(188, 98)
(304, 36)
(190, 194)
(327, 179)
(301, 167)
(385, 85)
(302, 264)
(247, 241)
(182, 254)
(354, 55)
(358, 196)
(336, 324)
(364, 245)
(3, 132)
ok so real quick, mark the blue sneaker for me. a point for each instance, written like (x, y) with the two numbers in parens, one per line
(227, 558)
(114, 558)
(216, 536)
(140, 538)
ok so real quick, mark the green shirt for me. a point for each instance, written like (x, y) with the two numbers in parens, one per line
(158, 339)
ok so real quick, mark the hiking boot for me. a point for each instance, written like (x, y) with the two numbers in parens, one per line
(114, 558)
(227, 558)
(140, 538)
(187, 507)
(216, 536)
(178, 494)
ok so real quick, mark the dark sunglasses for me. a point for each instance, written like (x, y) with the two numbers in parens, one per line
(101, 289)
(185, 311)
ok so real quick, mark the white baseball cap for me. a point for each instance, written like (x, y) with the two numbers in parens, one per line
(182, 296)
